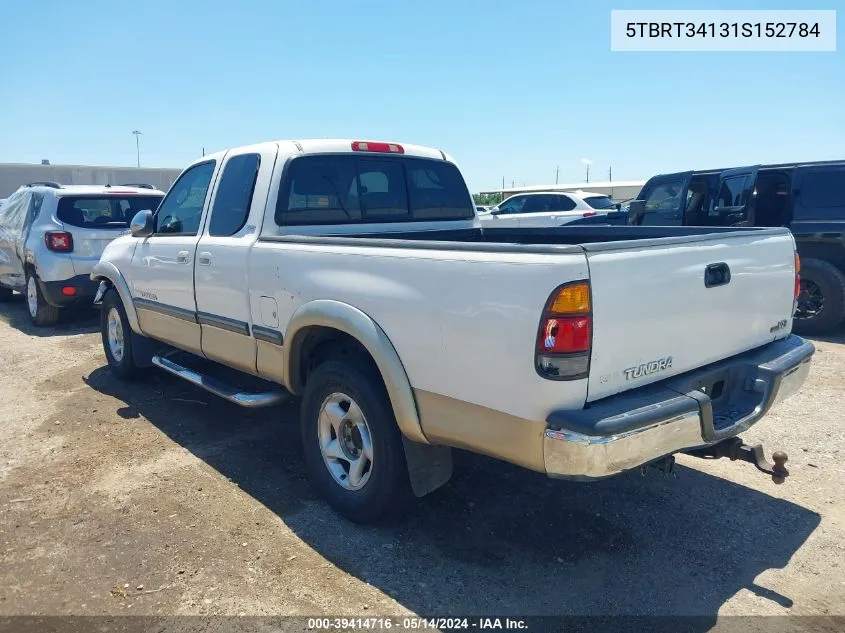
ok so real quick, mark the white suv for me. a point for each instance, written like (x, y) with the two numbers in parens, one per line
(52, 235)
(547, 208)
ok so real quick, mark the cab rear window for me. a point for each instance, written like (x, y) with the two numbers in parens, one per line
(348, 189)
(103, 212)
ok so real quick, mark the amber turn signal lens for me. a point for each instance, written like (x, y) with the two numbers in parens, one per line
(574, 299)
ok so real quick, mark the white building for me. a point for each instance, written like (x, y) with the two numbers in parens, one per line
(618, 191)
(14, 175)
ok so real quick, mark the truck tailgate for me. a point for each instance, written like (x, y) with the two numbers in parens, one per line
(654, 316)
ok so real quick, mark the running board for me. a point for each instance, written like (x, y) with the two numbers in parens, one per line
(218, 388)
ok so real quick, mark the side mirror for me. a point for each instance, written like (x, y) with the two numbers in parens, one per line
(142, 224)
(495, 211)
(636, 211)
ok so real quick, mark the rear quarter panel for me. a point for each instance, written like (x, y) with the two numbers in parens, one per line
(464, 323)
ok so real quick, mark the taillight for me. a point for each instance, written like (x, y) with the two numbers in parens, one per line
(59, 241)
(369, 146)
(565, 334)
(589, 214)
(797, 276)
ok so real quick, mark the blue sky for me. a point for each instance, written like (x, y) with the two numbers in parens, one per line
(511, 89)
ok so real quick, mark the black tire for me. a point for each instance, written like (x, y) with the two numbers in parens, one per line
(5, 294)
(44, 314)
(820, 280)
(387, 490)
(124, 367)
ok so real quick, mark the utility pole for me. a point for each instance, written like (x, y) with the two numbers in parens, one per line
(610, 174)
(588, 171)
(203, 151)
(557, 173)
(137, 134)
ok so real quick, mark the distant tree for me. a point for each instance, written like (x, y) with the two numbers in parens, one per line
(487, 199)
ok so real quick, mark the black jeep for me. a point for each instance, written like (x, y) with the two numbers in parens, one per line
(808, 198)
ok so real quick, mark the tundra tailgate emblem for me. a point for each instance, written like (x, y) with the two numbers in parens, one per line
(651, 367)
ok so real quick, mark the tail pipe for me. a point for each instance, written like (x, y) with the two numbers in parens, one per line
(735, 449)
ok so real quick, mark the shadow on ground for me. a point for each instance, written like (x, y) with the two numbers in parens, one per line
(73, 320)
(498, 539)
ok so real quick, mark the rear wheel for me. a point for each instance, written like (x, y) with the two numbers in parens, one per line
(353, 448)
(41, 312)
(821, 302)
(117, 339)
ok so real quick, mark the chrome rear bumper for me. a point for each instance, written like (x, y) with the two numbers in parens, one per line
(634, 428)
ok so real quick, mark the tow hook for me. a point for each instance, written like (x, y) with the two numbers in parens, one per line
(736, 449)
(665, 465)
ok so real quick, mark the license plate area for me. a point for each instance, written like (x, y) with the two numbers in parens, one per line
(731, 398)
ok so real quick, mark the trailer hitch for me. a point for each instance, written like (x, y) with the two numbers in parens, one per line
(735, 449)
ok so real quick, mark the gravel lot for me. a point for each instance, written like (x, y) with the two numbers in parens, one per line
(157, 498)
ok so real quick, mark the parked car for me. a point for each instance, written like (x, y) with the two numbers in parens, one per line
(52, 235)
(357, 275)
(547, 208)
(809, 198)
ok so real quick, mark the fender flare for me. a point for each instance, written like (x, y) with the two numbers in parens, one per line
(106, 271)
(352, 321)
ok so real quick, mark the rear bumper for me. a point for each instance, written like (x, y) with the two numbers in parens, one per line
(634, 428)
(84, 291)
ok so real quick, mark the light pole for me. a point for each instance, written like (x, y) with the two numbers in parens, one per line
(137, 133)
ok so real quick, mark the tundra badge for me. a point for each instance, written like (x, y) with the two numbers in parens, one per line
(644, 369)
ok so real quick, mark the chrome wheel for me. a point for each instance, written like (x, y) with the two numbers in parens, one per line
(32, 297)
(115, 334)
(345, 441)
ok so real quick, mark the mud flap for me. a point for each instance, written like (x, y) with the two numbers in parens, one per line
(429, 467)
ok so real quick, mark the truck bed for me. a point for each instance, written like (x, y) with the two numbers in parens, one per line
(508, 238)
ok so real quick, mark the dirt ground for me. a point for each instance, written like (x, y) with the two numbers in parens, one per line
(157, 498)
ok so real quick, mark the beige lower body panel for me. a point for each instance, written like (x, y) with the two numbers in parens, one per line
(229, 348)
(178, 332)
(452, 422)
(270, 361)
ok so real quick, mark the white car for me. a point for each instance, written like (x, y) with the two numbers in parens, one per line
(552, 208)
(51, 236)
(356, 275)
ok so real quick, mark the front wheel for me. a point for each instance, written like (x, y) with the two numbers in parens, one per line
(117, 339)
(41, 312)
(353, 448)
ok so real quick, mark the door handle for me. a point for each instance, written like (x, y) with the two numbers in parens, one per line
(204, 259)
(717, 275)
(182, 257)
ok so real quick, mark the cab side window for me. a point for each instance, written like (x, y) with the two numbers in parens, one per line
(181, 210)
(234, 195)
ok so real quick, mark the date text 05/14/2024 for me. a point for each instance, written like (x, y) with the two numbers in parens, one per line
(417, 623)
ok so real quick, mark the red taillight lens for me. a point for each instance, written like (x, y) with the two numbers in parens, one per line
(370, 146)
(68, 291)
(59, 241)
(589, 214)
(564, 335)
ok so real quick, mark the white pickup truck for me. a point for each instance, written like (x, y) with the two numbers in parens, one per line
(356, 275)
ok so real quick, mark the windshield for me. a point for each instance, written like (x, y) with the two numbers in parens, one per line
(103, 211)
(600, 202)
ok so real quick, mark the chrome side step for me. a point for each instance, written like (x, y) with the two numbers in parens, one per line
(218, 388)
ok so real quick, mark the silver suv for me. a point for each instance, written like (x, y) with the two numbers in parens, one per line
(52, 235)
